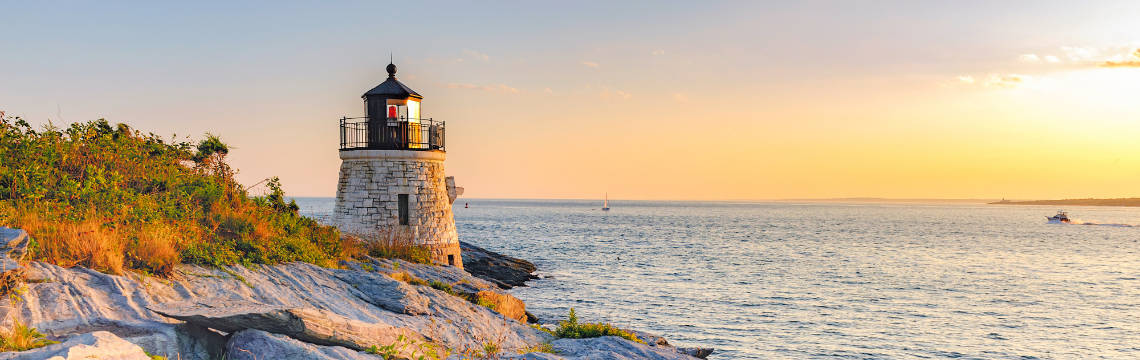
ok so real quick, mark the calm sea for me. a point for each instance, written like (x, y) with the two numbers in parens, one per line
(782, 280)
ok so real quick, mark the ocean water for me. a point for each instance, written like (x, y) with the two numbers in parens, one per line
(826, 280)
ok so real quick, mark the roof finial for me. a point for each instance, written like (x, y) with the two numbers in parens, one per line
(391, 67)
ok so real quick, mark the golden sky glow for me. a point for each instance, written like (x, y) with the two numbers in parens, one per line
(663, 101)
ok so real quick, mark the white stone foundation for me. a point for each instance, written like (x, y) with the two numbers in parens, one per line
(368, 192)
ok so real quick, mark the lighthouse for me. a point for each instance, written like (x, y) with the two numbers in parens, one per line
(392, 181)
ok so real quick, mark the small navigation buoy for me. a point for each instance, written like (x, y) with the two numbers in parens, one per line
(465, 205)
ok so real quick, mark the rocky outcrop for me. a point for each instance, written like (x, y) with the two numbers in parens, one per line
(697, 352)
(654, 340)
(386, 293)
(461, 283)
(505, 304)
(287, 311)
(60, 302)
(310, 325)
(13, 246)
(260, 345)
(95, 345)
(612, 347)
(503, 271)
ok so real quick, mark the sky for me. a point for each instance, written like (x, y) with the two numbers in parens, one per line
(666, 100)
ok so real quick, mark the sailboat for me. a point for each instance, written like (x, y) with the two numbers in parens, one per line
(606, 203)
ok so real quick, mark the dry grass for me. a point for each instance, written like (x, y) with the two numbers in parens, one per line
(404, 276)
(21, 337)
(542, 348)
(95, 244)
(74, 242)
(394, 244)
(156, 249)
(505, 304)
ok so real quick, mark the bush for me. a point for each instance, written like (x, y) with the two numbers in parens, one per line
(405, 277)
(396, 244)
(571, 329)
(21, 337)
(442, 286)
(540, 348)
(111, 198)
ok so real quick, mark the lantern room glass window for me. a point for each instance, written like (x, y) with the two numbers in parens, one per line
(403, 109)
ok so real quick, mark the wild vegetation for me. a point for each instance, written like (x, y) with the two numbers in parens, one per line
(408, 278)
(572, 329)
(419, 350)
(396, 244)
(21, 337)
(111, 198)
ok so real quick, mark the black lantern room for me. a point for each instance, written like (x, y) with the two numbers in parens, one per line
(392, 99)
(392, 120)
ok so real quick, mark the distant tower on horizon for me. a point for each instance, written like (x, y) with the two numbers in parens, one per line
(392, 181)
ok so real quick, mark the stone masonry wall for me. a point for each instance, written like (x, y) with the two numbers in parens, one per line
(368, 192)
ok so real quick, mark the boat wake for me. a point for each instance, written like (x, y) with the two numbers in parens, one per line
(1082, 222)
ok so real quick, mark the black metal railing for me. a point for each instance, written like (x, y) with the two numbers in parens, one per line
(391, 134)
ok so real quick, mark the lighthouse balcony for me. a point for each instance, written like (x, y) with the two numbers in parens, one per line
(395, 133)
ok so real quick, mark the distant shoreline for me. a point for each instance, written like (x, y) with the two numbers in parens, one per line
(1075, 202)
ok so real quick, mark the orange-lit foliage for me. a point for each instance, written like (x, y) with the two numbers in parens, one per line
(111, 198)
(395, 244)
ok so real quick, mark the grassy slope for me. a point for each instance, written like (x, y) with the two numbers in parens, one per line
(111, 198)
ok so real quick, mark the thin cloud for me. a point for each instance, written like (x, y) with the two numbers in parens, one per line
(1029, 58)
(658, 52)
(488, 88)
(1078, 53)
(475, 55)
(1132, 61)
(1001, 81)
(616, 95)
(590, 64)
(1005, 81)
(1039, 59)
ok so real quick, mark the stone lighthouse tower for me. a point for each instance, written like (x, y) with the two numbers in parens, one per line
(392, 183)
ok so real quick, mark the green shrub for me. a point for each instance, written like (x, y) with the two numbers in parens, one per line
(540, 348)
(442, 286)
(491, 349)
(396, 244)
(418, 350)
(111, 198)
(404, 276)
(571, 329)
(21, 337)
(485, 302)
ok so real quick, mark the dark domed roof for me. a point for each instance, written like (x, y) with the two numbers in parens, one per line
(392, 88)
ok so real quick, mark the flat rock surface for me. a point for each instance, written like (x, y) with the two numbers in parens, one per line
(612, 347)
(260, 345)
(94, 345)
(310, 325)
(504, 271)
